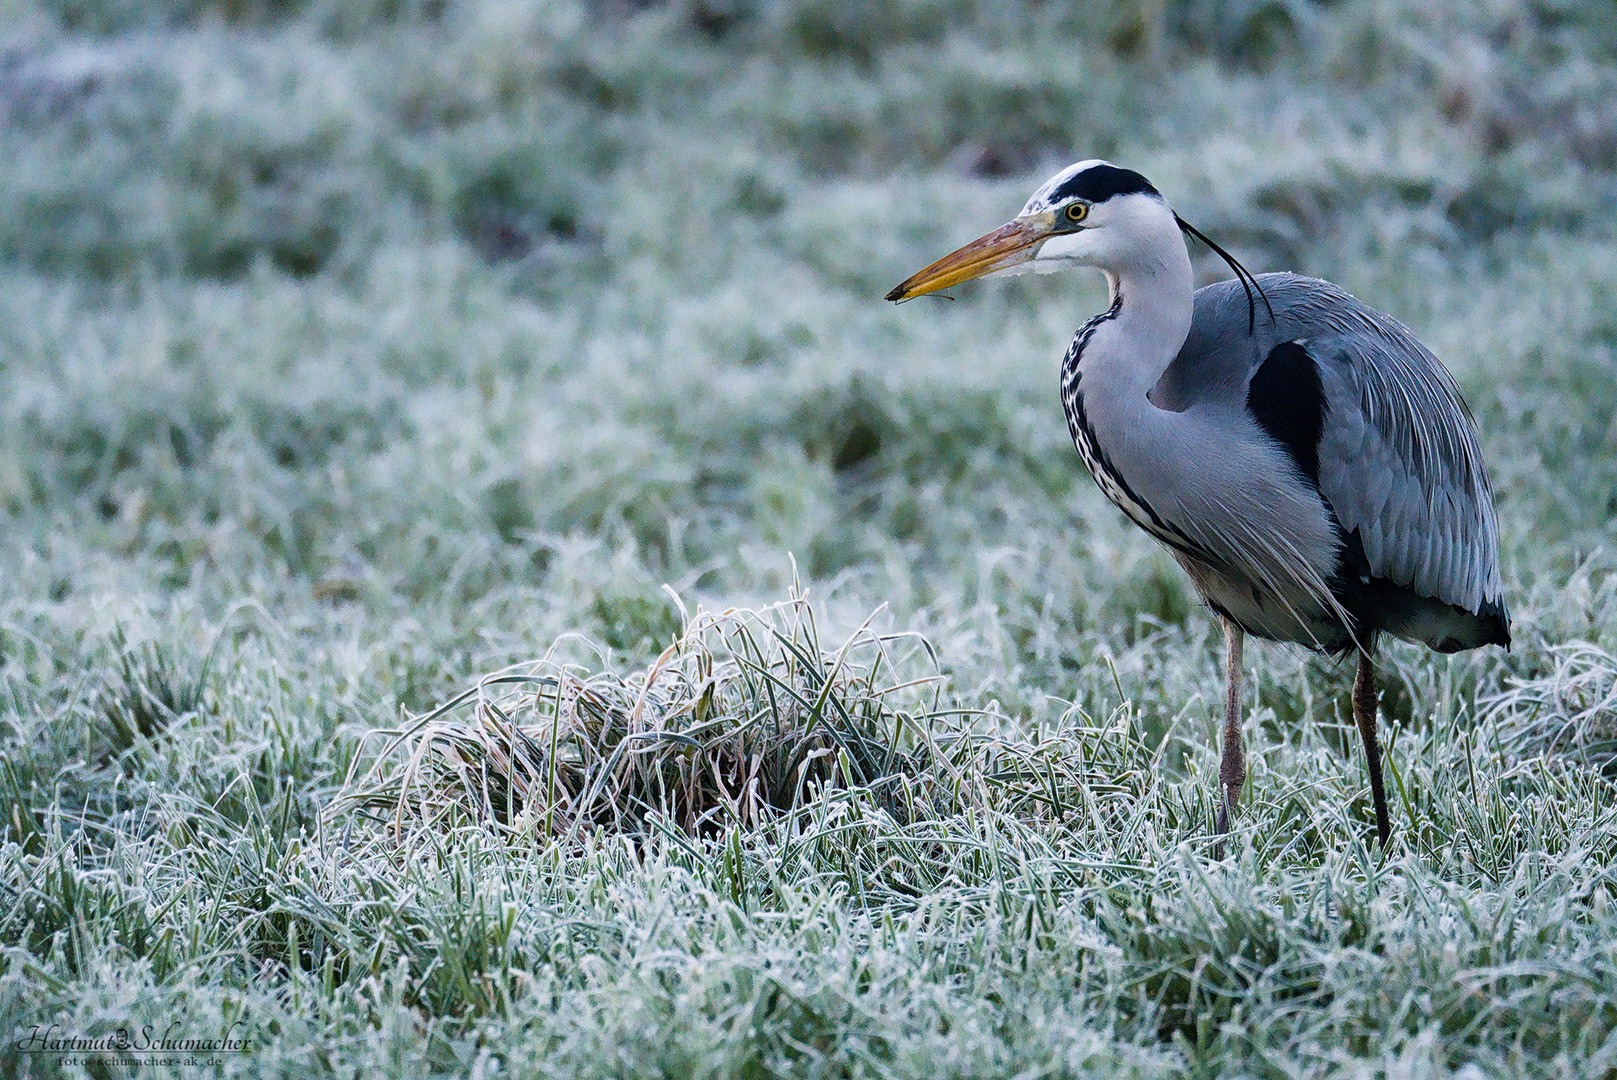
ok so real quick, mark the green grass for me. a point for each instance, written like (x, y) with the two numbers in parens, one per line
(485, 583)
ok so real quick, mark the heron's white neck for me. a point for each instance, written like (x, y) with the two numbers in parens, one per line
(1118, 356)
(1151, 300)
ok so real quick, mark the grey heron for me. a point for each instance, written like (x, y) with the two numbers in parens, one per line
(1308, 462)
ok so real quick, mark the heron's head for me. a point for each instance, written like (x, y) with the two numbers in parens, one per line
(1089, 214)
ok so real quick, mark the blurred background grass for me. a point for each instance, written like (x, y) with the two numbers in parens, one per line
(351, 350)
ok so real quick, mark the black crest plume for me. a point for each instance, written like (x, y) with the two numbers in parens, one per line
(1242, 274)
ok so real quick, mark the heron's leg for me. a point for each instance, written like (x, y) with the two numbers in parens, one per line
(1232, 770)
(1364, 711)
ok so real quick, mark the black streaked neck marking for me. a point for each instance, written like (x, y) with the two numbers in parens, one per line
(1287, 400)
(1101, 182)
(1111, 482)
(1075, 353)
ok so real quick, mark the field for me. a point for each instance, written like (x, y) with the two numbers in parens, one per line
(487, 586)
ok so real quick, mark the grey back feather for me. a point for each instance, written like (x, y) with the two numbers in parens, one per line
(1399, 459)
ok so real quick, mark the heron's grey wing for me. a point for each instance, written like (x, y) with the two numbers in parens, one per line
(1382, 434)
(1400, 465)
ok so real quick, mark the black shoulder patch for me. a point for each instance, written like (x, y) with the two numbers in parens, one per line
(1287, 400)
(1100, 182)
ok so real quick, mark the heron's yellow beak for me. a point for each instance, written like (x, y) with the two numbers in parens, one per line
(1014, 242)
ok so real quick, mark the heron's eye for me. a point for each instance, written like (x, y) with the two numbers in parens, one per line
(1077, 211)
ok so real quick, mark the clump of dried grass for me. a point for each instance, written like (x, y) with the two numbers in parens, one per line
(742, 718)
